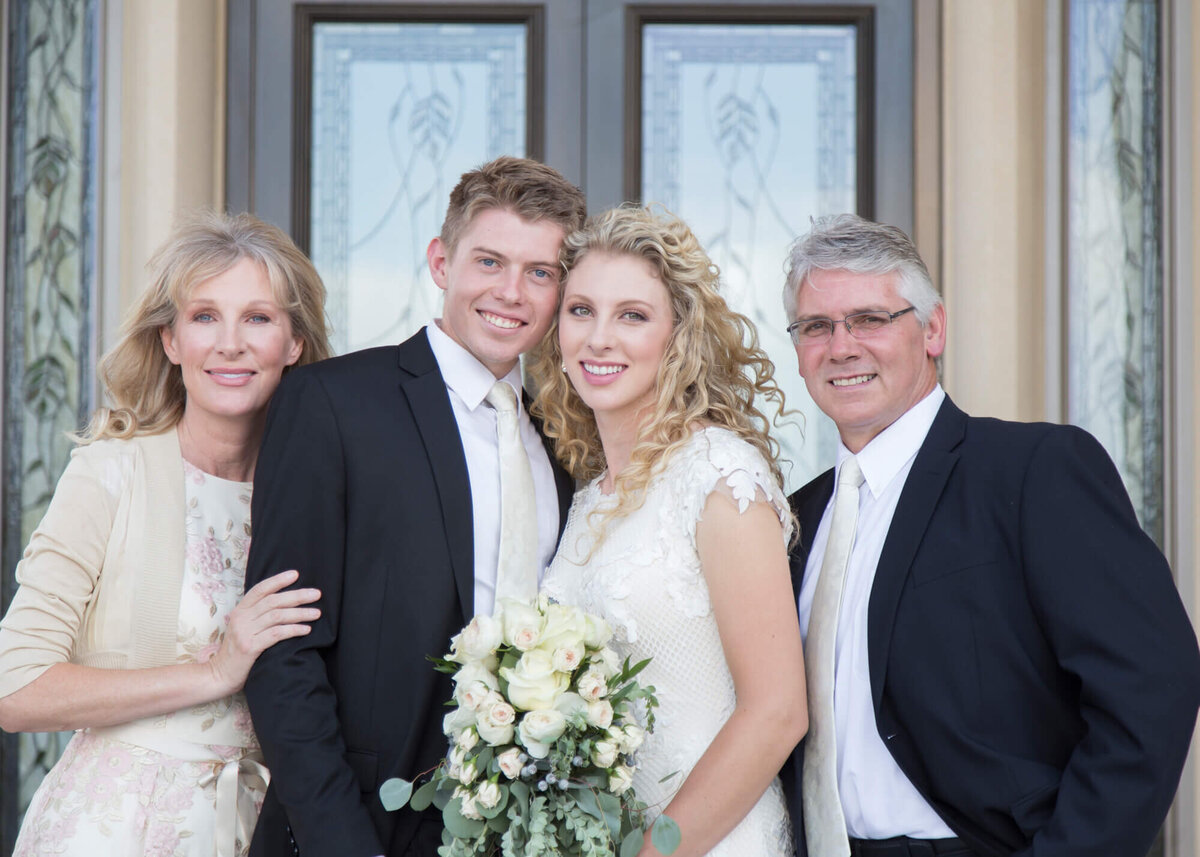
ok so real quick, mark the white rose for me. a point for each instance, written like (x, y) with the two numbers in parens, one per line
(568, 658)
(456, 758)
(534, 683)
(510, 762)
(592, 685)
(620, 779)
(598, 632)
(604, 754)
(468, 806)
(564, 628)
(457, 720)
(600, 713)
(571, 705)
(472, 684)
(522, 625)
(467, 738)
(487, 795)
(539, 729)
(480, 639)
(468, 773)
(607, 662)
(495, 720)
(634, 735)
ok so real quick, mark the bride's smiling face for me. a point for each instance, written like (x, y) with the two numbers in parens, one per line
(613, 329)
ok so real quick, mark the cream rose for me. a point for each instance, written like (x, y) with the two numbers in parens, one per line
(632, 737)
(568, 658)
(522, 625)
(600, 713)
(480, 639)
(604, 753)
(468, 772)
(472, 684)
(620, 779)
(467, 739)
(457, 720)
(564, 628)
(495, 719)
(487, 795)
(607, 662)
(534, 683)
(592, 685)
(539, 729)
(510, 763)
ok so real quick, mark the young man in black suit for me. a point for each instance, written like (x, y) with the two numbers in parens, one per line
(379, 479)
(1012, 669)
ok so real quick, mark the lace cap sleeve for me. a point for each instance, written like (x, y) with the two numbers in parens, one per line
(718, 460)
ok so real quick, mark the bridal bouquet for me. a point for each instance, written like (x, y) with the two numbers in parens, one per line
(542, 741)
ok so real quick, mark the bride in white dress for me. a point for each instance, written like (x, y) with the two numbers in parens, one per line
(678, 538)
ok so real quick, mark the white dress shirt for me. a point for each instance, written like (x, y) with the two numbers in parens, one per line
(878, 800)
(468, 382)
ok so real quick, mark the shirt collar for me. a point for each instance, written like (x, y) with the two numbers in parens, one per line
(463, 373)
(890, 450)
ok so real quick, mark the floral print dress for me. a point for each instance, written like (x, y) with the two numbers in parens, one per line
(183, 784)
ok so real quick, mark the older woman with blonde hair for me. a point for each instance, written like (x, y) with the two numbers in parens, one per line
(129, 624)
(651, 386)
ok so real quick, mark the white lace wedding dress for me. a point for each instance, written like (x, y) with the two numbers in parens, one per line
(645, 579)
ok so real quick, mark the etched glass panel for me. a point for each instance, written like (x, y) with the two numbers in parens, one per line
(748, 131)
(1114, 250)
(400, 111)
(51, 131)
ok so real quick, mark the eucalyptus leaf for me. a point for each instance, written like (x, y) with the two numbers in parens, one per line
(632, 843)
(664, 835)
(586, 800)
(423, 796)
(458, 824)
(394, 793)
(520, 791)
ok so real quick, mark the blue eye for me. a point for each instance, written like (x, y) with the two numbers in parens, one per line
(202, 316)
(579, 310)
(488, 263)
(633, 315)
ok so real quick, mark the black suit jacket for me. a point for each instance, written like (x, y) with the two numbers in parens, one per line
(362, 485)
(1033, 670)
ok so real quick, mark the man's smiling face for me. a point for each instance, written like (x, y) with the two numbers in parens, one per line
(501, 285)
(866, 383)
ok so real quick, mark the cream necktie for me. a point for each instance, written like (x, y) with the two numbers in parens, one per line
(824, 823)
(516, 568)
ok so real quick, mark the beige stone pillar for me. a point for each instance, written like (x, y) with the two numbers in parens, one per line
(993, 195)
(169, 141)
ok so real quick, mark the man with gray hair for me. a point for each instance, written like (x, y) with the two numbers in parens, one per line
(998, 660)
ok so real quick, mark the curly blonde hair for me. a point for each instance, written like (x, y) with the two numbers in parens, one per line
(145, 388)
(713, 372)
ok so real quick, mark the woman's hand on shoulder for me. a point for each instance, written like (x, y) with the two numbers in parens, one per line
(266, 614)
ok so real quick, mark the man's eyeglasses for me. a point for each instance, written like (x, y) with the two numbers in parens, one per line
(860, 325)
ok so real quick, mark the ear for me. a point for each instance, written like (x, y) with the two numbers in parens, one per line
(295, 352)
(438, 260)
(167, 335)
(935, 333)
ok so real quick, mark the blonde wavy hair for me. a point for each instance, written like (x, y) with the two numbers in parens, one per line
(145, 389)
(713, 372)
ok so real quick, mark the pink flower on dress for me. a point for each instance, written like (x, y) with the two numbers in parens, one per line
(115, 761)
(161, 840)
(100, 789)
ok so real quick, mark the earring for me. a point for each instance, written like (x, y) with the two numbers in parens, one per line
(564, 366)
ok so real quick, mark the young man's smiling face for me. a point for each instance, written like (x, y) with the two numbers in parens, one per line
(865, 383)
(501, 285)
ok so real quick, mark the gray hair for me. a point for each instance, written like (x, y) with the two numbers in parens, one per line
(847, 242)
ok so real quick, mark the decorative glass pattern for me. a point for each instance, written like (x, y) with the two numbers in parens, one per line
(400, 111)
(1114, 250)
(49, 281)
(748, 131)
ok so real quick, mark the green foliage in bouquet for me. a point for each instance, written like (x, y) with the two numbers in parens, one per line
(543, 740)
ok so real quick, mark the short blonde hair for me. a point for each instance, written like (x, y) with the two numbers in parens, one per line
(713, 373)
(145, 388)
(529, 189)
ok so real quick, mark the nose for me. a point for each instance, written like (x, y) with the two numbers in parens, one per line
(509, 286)
(842, 343)
(599, 336)
(231, 341)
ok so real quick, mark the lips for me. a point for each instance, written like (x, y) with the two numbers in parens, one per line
(502, 322)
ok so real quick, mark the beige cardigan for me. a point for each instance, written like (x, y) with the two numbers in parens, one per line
(100, 581)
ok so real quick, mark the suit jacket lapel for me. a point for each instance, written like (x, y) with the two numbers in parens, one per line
(922, 490)
(423, 386)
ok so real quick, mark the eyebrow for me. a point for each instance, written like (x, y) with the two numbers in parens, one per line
(847, 315)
